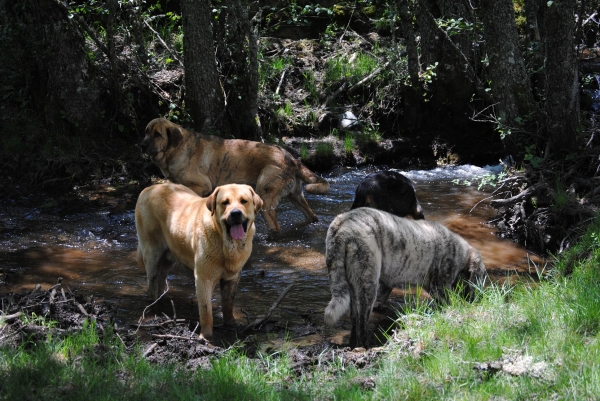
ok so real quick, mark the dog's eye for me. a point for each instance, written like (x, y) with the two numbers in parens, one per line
(243, 201)
(225, 203)
(157, 134)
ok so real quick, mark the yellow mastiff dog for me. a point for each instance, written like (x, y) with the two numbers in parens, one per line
(212, 236)
(203, 162)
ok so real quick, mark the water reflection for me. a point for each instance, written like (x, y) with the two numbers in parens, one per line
(94, 253)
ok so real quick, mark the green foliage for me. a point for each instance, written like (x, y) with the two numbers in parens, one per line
(350, 68)
(369, 134)
(304, 151)
(324, 149)
(532, 158)
(455, 26)
(348, 143)
(285, 110)
(310, 85)
(485, 180)
(586, 249)
(560, 197)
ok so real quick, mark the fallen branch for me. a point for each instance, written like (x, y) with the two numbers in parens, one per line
(522, 195)
(194, 338)
(82, 309)
(10, 317)
(280, 81)
(260, 321)
(150, 349)
(366, 79)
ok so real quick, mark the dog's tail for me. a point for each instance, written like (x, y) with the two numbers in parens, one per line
(340, 290)
(314, 183)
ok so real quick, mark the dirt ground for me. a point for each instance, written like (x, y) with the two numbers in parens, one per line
(164, 339)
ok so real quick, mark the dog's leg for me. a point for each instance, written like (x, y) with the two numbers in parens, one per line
(156, 262)
(204, 289)
(228, 291)
(363, 267)
(270, 217)
(297, 198)
(383, 293)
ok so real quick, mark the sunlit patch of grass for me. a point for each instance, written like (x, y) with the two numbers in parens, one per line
(352, 68)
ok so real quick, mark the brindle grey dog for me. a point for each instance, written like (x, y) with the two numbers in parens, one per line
(369, 250)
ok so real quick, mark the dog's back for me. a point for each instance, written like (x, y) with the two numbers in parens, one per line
(389, 191)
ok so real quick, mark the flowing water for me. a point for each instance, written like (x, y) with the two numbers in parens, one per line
(94, 254)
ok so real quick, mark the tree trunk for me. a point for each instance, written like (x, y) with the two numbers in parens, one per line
(562, 81)
(455, 81)
(509, 80)
(58, 73)
(412, 93)
(238, 60)
(203, 95)
(531, 11)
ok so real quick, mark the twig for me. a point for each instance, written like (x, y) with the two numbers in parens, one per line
(82, 309)
(335, 94)
(480, 202)
(174, 313)
(367, 78)
(502, 202)
(10, 317)
(260, 321)
(157, 299)
(280, 81)
(150, 349)
(202, 340)
(166, 46)
(195, 328)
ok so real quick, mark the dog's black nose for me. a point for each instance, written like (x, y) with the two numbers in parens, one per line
(143, 146)
(236, 216)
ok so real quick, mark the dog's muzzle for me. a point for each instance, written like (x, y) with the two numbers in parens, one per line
(237, 224)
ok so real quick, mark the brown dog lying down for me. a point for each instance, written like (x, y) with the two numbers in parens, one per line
(370, 251)
(212, 236)
(203, 162)
(389, 191)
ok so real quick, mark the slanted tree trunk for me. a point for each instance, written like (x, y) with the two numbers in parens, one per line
(509, 80)
(562, 81)
(203, 95)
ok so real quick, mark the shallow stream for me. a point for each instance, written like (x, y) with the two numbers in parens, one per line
(94, 253)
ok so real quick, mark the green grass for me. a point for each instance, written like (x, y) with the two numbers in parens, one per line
(348, 143)
(340, 67)
(324, 149)
(550, 326)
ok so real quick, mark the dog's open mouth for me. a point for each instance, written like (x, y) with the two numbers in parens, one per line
(237, 230)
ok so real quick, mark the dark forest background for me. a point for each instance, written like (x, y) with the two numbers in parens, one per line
(407, 83)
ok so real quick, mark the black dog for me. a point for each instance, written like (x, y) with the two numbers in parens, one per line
(389, 191)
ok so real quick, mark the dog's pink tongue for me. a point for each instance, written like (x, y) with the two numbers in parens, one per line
(237, 231)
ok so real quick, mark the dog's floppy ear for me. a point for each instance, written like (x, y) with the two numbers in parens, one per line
(174, 135)
(258, 202)
(211, 202)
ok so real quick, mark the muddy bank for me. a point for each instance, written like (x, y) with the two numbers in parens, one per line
(165, 339)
